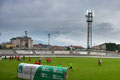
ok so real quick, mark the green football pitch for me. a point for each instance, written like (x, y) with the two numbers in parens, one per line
(83, 68)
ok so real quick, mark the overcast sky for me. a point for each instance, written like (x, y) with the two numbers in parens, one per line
(63, 19)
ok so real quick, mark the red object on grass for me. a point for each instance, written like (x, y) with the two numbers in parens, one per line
(15, 57)
(36, 62)
(18, 57)
(39, 63)
(29, 57)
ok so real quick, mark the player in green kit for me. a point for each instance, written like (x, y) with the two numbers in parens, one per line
(70, 66)
(59, 65)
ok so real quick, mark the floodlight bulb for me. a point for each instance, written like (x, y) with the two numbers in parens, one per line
(90, 11)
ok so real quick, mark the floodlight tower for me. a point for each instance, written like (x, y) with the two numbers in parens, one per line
(89, 15)
(25, 33)
(49, 40)
(26, 41)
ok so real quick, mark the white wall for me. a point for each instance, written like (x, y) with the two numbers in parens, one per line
(6, 52)
(97, 53)
(42, 52)
(24, 52)
(61, 52)
(79, 52)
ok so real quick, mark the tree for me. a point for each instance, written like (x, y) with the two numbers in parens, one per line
(0, 46)
(111, 47)
(68, 48)
(10, 47)
(4, 47)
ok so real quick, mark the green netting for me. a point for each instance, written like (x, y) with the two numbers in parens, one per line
(37, 74)
(50, 73)
(59, 73)
(20, 66)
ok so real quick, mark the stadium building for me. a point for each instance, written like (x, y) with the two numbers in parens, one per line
(22, 42)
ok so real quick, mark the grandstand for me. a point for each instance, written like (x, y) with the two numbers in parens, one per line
(58, 53)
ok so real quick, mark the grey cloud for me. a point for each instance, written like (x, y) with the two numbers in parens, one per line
(103, 28)
(58, 17)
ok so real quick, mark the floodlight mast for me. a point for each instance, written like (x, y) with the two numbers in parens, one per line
(89, 15)
(49, 41)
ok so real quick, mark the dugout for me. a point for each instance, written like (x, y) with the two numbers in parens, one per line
(41, 72)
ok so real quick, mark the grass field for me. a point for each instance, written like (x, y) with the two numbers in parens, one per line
(83, 68)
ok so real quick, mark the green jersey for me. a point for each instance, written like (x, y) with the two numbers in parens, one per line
(59, 65)
(70, 64)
